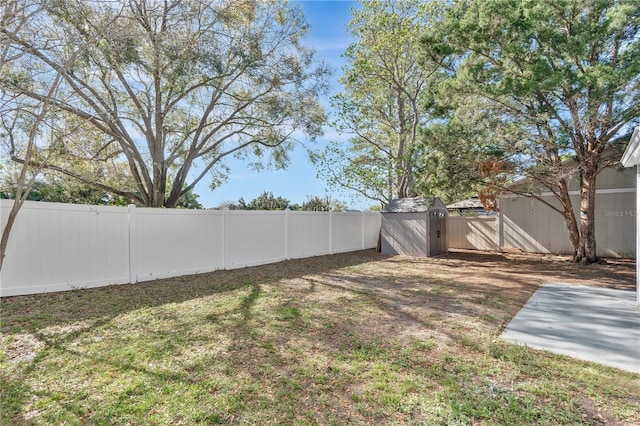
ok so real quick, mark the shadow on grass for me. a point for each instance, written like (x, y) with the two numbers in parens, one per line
(353, 327)
(93, 307)
(80, 312)
(32, 313)
(29, 314)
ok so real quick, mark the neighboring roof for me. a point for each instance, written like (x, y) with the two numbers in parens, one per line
(631, 156)
(413, 205)
(472, 203)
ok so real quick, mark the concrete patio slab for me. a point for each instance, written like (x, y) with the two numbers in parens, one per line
(588, 323)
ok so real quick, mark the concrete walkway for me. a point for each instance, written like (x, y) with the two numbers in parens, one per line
(588, 323)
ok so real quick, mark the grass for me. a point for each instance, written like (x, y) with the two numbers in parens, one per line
(357, 338)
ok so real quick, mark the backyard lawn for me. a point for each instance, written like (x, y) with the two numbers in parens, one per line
(357, 338)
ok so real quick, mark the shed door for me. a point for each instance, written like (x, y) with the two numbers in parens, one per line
(437, 229)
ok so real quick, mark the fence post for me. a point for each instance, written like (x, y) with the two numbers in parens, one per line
(363, 228)
(133, 244)
(330, 232)
(225, 236)
(499, 230)
(287, 221)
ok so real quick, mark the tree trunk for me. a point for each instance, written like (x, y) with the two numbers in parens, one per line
(4, 241)
(587, 245)
(401, 185)
(569, 216)
(402, 179)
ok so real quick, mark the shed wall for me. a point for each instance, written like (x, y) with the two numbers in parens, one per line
(405, 233)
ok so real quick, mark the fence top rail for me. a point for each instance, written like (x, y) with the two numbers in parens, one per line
(469, 218)
(42, 205)
(187, 212)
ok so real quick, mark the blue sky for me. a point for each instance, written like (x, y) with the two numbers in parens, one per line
(328, 20)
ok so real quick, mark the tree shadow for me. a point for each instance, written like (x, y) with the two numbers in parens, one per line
(261, 351)
(31, 313)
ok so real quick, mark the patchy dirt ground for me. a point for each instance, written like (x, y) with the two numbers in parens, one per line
(462, 292)
(355, 338)
(519, 275)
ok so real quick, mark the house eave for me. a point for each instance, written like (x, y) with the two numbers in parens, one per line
(631, 156)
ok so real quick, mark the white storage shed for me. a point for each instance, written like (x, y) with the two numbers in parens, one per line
(414, 227)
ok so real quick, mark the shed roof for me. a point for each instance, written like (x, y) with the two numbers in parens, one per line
(472, 203)
(413, 205)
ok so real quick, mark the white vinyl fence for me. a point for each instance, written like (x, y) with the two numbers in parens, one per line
(473, 232)
(529, 226)
(55, 247)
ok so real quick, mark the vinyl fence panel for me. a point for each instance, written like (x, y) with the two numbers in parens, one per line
(372, 221)
(616, 223)
(309, 234)
(476, 233)
(55, 247)
(531, 226)
(346, 231)
(254, 238)
(172, 242)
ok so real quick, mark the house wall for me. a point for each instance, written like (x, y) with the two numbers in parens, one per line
(531, 226)
(631, 159)
(55, 247)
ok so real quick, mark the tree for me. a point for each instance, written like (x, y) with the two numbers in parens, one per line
(565, 73)
(384, 103)
(189, 200)
(169, 89)
(24, 124)
(265, 201)
(448, 162)
(55, 190)
(322, 204)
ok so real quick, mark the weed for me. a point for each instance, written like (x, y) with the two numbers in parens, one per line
(469, 342)
(288, 313)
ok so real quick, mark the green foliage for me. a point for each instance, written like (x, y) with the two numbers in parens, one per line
(322, 204)
(448, 164)
(189, 200)
(61, 193)
(264, 201)
(552, 79)
(384, 102)
(267, 201)
(563, 75)
(55, 188)
(166, 88)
